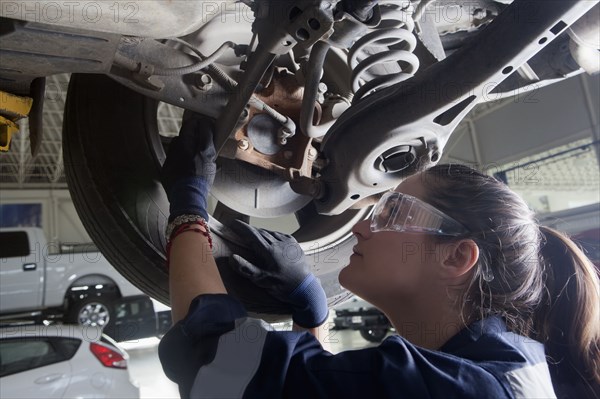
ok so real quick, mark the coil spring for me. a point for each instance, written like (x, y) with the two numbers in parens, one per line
(371, 50)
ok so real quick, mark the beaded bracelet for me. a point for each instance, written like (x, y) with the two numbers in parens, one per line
(184, 219)
(185, 227)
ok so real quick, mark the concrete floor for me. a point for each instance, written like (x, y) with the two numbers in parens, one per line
(145, 367)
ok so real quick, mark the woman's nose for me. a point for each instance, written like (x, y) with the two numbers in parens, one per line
(362, 229)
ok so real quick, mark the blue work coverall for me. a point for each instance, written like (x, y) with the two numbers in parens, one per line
(217, 351)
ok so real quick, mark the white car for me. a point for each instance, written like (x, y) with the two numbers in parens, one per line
(62, 361)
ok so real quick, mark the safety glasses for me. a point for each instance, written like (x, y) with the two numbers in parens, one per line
(401, 212)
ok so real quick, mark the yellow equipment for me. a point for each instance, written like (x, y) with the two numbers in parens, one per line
(12, 108)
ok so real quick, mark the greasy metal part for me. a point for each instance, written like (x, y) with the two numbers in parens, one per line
(284, 133)
(257, 139)
(260, 132)
(36, 126)
(313, 76)
(270, 26)
(243, 144)
(139, 55)
(182, 91)
(282, 24)
(397, 30)
(332, 108)
(197, 66)
(288, 127)
(347, 29)
(423, 112)
(204, 82)
(12, 108)
(279, 26)
(288, 167)
(257, 64)
(307, 186)
(360, 9)
(288, 163)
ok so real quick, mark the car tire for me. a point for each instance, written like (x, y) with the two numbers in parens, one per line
(97, 311)
(113, 154)
(373, 334)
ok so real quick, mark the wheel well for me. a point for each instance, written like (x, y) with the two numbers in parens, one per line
(91, 285)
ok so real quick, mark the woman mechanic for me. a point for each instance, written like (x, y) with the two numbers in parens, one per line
(486, 302)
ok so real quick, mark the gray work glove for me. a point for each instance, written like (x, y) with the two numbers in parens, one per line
(283, 273)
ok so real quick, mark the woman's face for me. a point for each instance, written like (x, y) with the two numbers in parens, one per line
(392, 265)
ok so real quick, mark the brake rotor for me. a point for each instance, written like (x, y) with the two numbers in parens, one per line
(255, 180)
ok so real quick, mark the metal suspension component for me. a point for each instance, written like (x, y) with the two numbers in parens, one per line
(372, 51)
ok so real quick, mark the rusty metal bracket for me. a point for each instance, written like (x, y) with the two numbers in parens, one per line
(297, 23)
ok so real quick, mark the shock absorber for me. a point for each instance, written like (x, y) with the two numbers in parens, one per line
(374, 65)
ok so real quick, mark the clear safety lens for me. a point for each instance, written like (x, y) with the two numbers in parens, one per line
(401, 212)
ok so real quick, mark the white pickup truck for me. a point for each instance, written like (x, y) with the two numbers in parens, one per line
(41, 280)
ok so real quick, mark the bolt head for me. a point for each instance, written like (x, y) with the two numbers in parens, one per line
(479, 13)
(243, 144)
(204, 82)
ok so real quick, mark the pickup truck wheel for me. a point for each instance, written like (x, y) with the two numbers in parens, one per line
(113, 153)
(94, 311)
(373, 334)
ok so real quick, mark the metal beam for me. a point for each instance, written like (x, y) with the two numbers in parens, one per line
(592, 112)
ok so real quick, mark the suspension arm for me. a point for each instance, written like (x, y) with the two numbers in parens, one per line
(402, 129)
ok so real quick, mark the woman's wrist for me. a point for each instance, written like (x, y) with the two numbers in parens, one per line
(185, 219)
(184, 224)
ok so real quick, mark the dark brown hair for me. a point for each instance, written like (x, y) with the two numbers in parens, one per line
(544, 286)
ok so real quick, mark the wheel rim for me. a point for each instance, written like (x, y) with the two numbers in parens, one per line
(94, 314)
(126, 212)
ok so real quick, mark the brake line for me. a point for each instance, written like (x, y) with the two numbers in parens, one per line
(205, 61)
(288, 126)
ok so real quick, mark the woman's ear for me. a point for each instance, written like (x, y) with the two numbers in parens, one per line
(459, 258)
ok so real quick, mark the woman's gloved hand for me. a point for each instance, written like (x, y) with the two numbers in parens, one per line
(189, 170)
(283, 272)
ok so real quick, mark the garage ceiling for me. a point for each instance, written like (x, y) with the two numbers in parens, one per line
(496, 133)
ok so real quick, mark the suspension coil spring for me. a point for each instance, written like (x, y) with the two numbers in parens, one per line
(372, 50)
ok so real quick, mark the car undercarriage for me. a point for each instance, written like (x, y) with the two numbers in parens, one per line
(320, 105)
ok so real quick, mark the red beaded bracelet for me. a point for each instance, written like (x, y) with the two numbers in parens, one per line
(185, 227)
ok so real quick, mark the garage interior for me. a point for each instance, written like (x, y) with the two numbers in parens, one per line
(543, 143)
